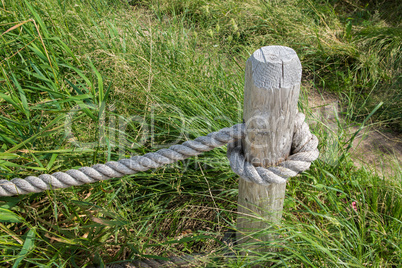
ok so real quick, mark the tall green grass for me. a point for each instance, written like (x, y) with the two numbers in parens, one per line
(74, 73)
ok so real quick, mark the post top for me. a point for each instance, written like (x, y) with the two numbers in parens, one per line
(275, 67)
(273, 54)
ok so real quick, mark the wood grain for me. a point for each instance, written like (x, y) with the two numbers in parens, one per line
(271, 93)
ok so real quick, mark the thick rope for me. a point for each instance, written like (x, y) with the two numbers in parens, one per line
(304, 151)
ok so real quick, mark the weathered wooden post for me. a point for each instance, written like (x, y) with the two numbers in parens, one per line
(271, 92)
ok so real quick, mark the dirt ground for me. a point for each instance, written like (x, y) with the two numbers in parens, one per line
(375, 149)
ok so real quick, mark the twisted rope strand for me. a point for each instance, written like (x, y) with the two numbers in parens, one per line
(117, 169)
(304, 151)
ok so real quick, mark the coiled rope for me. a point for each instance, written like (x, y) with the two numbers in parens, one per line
(304, 151)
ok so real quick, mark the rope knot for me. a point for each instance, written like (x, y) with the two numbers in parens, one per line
(303, 152)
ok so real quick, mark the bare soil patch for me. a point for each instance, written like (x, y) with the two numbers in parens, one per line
(375, 149)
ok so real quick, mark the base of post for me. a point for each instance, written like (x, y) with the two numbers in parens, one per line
(259, 208)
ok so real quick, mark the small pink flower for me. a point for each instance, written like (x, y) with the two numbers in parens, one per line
(354, 205)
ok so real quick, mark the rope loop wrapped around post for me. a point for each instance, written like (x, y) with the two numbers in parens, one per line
(304, 151)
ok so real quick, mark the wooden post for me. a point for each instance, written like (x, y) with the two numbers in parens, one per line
(271, 93)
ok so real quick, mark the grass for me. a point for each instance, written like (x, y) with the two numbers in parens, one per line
(84, 82)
